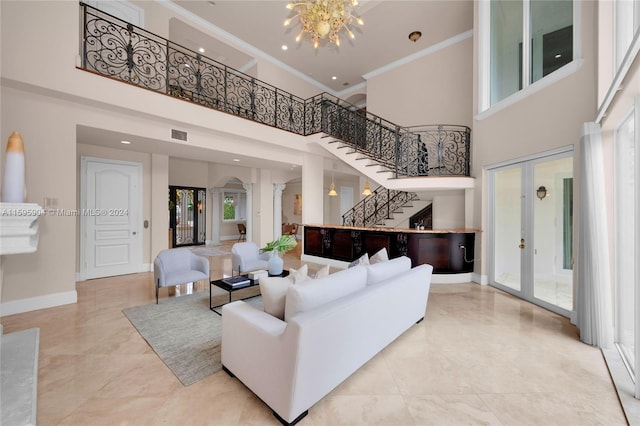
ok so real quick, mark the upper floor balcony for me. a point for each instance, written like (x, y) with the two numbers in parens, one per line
(124, 52)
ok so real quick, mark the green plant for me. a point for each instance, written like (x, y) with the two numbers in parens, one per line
(282, 245)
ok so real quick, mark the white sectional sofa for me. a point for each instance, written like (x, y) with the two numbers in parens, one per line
(332, 327)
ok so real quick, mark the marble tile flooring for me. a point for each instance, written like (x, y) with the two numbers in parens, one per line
(480, 357)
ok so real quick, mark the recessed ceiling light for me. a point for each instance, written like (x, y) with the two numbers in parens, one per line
(285, 47)
(415, 36)
(346, 83)
(211, 3)
(334, 78)
(125, 142)
(201, 50)
(236, 160)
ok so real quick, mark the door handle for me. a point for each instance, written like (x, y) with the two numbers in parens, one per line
(521, 245)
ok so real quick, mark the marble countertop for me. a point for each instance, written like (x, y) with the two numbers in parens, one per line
(396, 230)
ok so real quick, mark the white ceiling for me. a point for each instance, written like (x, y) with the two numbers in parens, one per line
(257, 27)
(254, 29)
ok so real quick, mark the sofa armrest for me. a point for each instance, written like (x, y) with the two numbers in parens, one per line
(259, 351)
(200, 263)
(158, 273)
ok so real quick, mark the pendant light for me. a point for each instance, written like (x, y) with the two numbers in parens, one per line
(332, 188)
(367, 188)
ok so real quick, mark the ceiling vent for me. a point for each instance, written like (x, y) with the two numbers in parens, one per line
(179, 135)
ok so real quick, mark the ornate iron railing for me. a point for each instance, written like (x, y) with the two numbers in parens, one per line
(377, 207)
(122, 51)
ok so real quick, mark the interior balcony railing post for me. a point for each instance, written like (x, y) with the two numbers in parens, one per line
(388, 204)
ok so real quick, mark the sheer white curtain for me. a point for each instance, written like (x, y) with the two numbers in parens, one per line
(593, 278)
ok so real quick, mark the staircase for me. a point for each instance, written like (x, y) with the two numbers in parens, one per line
(379, 208)
(399, 158)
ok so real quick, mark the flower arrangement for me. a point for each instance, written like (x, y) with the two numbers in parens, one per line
(281, 245)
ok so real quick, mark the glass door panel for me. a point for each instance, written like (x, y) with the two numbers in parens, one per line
(507, 227)
(532, 230)
(625, 247)
(553, 232)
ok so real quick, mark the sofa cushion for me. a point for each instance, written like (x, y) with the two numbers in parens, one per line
(386, 270)
(313, 293)
(380, 256)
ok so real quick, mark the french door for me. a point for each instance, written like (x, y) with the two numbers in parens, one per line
(531, 222)
(187, 215)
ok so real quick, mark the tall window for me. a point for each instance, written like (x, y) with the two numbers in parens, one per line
(627, 22)
(626, 189)
(528, 40)
(235, 205)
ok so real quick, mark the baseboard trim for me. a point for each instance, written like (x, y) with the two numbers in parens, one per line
(146, 267)
(451, 278)
(480, 279)
(40, 302)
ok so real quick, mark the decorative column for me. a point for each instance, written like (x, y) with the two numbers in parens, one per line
(216, 209)
(249, 209)
(277, 209)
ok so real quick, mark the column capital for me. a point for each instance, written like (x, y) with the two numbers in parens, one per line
(279, 187)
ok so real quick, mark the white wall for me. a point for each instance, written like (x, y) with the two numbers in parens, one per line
(547, 119)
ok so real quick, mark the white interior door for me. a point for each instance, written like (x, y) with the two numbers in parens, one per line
(111, 194)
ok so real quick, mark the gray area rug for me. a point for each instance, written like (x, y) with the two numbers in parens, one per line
(184, 333)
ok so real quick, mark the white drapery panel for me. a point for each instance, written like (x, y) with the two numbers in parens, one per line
(594, 312)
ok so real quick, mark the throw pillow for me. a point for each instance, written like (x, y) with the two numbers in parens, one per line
(311, 294)
(363, 260)
(299, 275)
(322, 272)
(274, 291)
(380, 256)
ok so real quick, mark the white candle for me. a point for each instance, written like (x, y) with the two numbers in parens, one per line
(13, 178)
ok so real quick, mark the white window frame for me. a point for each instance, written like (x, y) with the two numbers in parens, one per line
(240, 208)
(485, 109)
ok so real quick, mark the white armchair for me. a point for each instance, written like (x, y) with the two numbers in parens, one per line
(179, 266)
(246, 257)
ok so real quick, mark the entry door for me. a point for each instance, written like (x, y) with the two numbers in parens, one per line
(532, 230)
(111, 194)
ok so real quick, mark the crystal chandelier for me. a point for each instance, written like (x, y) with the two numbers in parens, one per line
(324, 19)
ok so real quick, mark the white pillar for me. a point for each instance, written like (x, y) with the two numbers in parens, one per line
(159, 207)
(277, 209)
(216, 208)
(264, 213)
(312, 190)
(249, 188)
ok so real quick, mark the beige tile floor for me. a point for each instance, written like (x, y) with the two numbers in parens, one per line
(480, 357)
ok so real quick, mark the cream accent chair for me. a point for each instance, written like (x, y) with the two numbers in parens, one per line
(179, 266)
(246, 257)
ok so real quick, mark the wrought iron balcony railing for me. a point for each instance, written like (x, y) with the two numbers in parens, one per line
(122, 51)
(377, 207)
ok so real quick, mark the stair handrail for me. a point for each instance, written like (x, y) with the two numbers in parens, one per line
(381, 204)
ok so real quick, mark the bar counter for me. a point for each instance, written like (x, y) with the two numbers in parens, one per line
(450, 251)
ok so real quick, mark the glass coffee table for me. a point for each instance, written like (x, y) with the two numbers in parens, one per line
(230, 290)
